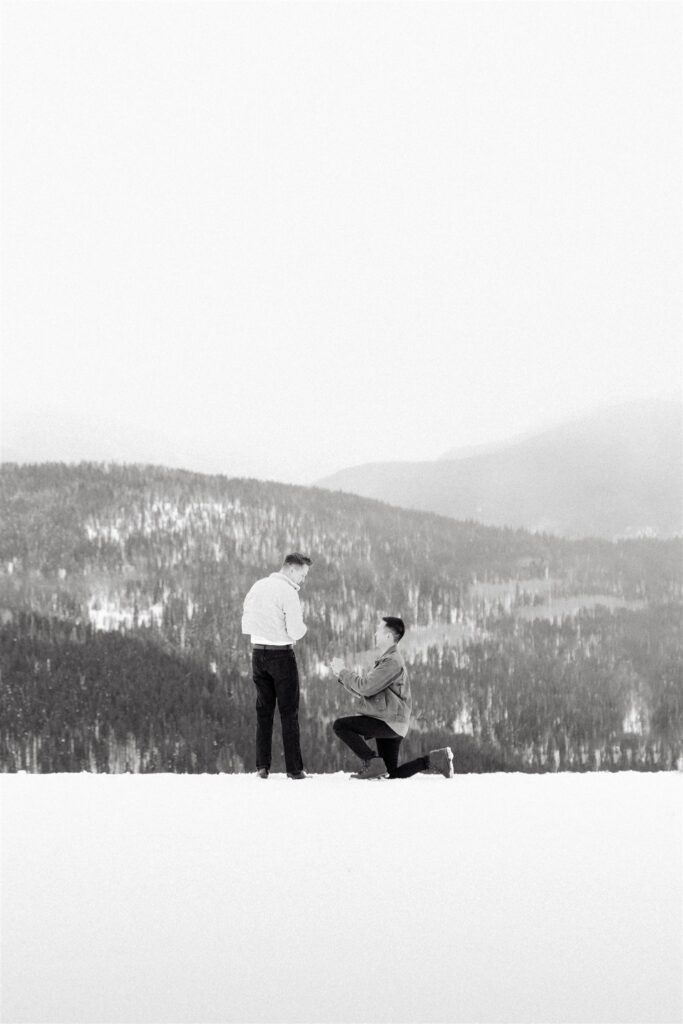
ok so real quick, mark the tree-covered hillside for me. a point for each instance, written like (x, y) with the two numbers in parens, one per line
(120, 602)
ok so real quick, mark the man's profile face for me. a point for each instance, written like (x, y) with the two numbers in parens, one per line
(382, 636)
(300, 573)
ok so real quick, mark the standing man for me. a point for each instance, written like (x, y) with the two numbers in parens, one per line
(384, 702)
(272, 615)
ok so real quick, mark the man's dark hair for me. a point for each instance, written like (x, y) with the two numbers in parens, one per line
(396, 626)
(296, 559)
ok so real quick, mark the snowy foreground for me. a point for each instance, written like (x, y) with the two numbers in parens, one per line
(165, 898)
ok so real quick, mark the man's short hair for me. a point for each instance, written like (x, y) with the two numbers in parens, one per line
(396, 626)
(297, 559)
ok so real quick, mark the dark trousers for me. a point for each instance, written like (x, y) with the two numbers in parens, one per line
(356, 729)
(276, 678)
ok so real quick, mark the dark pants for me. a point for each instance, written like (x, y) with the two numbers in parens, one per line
(276, 678)
(356, 729)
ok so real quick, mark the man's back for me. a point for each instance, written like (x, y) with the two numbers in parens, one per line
(272, 611)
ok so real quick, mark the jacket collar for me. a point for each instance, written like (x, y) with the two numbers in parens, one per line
(283, 577)
(391, 649)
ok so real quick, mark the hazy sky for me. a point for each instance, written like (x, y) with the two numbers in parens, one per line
(278, 239)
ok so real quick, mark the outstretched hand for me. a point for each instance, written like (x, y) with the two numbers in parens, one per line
(337, 664)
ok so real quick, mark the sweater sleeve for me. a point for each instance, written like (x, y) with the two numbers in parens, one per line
(247, 617)
(294, 621)
(365, 684)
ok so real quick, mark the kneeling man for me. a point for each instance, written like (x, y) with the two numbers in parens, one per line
(383, 696)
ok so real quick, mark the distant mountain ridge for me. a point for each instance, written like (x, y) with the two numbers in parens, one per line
(616, 473)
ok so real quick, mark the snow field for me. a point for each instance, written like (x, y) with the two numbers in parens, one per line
(181, 898)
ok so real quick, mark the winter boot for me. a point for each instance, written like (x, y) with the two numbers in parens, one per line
(372, 769)
(440, 762)
(262, 773)
(297, 775)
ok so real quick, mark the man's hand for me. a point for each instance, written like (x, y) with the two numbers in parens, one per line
(337, 665)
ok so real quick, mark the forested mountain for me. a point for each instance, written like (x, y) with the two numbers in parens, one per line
(120, 602)
(617, 473)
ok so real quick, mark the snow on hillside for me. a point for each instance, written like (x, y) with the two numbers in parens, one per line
(163, 898)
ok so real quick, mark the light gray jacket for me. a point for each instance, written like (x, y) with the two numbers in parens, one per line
(383, 691)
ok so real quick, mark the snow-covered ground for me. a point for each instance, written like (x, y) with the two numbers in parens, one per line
(202, 899)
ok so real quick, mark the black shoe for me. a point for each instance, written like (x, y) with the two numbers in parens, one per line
(297, 775)
(262, 773)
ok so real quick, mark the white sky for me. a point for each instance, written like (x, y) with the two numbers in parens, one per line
(280, 239)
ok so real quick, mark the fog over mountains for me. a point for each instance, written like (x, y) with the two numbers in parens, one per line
(616, 473)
